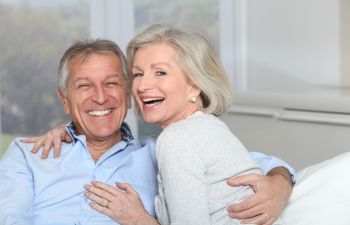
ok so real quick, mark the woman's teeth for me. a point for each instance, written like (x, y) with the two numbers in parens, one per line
(152, 101)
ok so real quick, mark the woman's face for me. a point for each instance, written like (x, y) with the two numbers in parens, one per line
(160, 87)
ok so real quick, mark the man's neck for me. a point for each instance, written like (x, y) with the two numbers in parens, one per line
(98, 147)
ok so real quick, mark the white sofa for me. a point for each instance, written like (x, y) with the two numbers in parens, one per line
(321, 195)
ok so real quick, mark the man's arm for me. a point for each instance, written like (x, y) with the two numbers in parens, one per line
(16, 189)
(269, 163)
(271, 192)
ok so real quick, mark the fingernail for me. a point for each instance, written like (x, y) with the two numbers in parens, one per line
(87, 194)
(87, 186)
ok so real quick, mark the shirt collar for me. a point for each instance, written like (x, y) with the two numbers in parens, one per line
(124, 130)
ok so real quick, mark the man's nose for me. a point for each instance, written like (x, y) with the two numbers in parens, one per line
(99, 95)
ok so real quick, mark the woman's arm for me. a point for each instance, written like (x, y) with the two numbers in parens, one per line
(52, 137)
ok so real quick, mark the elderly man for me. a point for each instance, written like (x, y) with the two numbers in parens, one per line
(94, 88)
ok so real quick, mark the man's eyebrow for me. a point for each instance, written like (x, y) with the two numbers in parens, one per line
(80, 79)
(114, 76)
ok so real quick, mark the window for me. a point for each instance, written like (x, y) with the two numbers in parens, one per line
(290, 54)
(34, 35)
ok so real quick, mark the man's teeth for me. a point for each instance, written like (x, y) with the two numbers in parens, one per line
(100, 112)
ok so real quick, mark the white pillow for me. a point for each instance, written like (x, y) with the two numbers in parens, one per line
(321, 195)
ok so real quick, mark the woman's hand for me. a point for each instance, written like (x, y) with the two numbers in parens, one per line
(53, 137)
(266, 205)
(123, 204)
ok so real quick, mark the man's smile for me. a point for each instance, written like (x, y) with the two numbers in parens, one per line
(100, 112)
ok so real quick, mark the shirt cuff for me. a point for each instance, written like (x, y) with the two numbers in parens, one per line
(267, 163)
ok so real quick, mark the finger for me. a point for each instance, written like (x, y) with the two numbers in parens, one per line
(47, 146)
(102, 199)
(30, 140)
(249, 213)
(244, 180)
(101, 196)
(246, 204)
(37, 146)
(270, 221)
(101, 209)
(106, 187)
(67, 138)
(127, 188)
(258, 220)
(57, 147)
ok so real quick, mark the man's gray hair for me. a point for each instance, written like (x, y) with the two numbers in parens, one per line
(84, 49)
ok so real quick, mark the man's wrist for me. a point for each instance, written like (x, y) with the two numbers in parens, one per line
(283, 172)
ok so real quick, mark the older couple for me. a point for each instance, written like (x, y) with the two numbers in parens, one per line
(78, 187)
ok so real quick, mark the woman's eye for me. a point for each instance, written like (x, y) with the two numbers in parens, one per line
(138, 74)
(161, 73)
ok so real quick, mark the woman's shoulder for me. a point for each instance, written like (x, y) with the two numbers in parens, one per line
(198, 120)
(198, 126)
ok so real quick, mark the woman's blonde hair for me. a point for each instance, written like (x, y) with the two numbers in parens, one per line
(197, 59)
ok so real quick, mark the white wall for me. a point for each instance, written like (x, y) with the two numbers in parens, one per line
(300, 138)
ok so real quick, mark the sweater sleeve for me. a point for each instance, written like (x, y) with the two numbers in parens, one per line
(183, 181)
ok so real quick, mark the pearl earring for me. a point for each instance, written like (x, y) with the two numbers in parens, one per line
(193, 99)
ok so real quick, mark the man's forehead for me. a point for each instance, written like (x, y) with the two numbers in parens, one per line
(85, 56)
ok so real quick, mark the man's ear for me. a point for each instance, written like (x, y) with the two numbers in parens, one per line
(64, 101)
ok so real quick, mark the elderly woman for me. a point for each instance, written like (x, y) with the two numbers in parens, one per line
(179, 84)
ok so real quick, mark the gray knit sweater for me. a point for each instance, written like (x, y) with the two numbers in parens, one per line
(195, 157)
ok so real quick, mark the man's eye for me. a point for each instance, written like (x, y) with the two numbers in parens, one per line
(161, 73)
(83, 85)
(138, 74)
(112, 83)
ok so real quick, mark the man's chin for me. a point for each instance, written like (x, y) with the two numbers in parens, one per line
(104, 134)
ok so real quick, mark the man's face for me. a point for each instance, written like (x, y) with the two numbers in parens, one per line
(96, 98)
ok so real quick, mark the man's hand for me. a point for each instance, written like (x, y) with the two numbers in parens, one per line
(271, 197)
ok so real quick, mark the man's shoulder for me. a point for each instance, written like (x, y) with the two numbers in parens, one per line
(17, 143)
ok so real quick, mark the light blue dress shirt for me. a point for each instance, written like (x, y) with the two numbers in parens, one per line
(51, 192)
